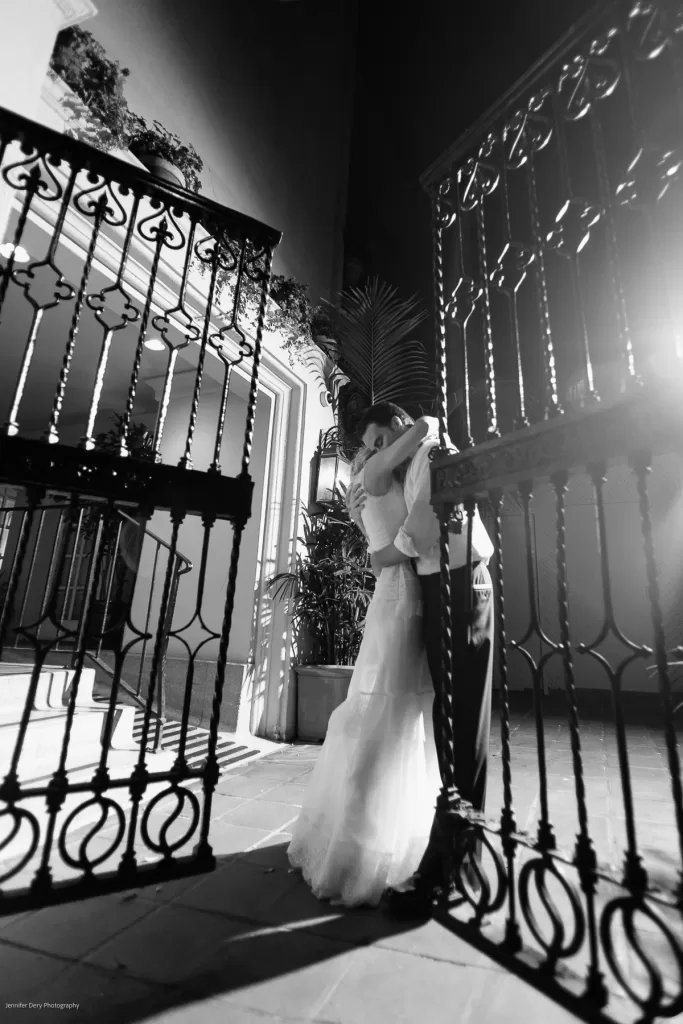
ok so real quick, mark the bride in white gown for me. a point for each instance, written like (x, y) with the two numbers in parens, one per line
(369, 806)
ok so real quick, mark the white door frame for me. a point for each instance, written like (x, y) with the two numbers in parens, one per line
(267, 706)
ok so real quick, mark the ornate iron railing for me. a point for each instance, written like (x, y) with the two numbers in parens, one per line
(99, 259)
(558, 242)
(114, 629)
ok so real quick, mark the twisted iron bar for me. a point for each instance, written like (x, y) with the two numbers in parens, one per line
(508, 823)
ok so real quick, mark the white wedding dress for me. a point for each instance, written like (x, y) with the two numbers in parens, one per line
(369, 806)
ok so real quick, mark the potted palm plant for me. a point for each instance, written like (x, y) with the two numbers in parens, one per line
(330, 588)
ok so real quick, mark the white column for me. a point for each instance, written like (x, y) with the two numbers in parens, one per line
(28, 29)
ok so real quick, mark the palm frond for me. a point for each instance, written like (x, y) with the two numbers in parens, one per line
(373, 330)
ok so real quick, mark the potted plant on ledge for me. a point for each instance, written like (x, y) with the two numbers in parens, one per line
(330, 588)
(163, 153)
(97, 110)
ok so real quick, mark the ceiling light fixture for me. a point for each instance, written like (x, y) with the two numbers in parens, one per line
(155, 345)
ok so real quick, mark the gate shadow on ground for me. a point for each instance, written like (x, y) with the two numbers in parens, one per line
(129, 956)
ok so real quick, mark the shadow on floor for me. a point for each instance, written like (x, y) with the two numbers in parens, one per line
(127, 956)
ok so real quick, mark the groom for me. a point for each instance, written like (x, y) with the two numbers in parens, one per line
(472, 640)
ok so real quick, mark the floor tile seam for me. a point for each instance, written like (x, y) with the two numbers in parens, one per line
(92, 949)
(324, 999)
(69, 963)
(266, 1015)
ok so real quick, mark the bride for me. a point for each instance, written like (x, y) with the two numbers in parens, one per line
(369, 806)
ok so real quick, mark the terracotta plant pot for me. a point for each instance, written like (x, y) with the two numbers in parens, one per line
(320, 689)
(161, 168)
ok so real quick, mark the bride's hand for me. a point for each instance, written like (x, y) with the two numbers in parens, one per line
(355, 501)
(432, 424)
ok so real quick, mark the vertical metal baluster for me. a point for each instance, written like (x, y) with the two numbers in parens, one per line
(148, 617)
(204, 852)
(468, 440)
(88, 441)
(56, 565)
(215, 466)
(572, 257)
(140, 775)
(545, 841)
(174, 350)
(208, 522)
(510, 289)
(644, 205)
(82, 635)
(34, 496)
(39, 309)
(508, 823)
(111, 576)
(630, 379)
(491, 403)
(186, 460)
(448, 800)
(20, 514)
(162, 235)
(31, 566)
(163, 652)
(72, 560)
(228, 366)
(101, 776)
(584, 857)
(59, 783)
(60, 553)
(641, 464)
(635, 877)
(31, 192)
(52, 433)
(12, 774)
(552, 404)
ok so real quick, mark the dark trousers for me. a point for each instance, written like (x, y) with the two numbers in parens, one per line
(472, 647)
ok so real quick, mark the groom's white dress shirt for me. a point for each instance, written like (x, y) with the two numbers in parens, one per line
(418, 538)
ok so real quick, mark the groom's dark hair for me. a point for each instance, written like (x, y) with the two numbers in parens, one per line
(381, 414)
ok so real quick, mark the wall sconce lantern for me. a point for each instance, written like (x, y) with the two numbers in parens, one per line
(331, 471)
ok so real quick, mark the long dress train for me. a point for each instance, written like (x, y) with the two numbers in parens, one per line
(369, 806)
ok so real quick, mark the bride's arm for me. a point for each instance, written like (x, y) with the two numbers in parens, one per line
(379, 468)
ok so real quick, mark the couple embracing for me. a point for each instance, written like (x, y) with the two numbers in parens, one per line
(367, 829)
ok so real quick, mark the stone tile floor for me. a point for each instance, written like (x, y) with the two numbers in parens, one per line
(248, 943)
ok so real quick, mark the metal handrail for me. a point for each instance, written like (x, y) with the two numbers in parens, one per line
(205, 211)
(159, 540)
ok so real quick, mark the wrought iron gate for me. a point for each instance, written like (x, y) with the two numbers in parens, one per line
(100, 259)
(558, 246)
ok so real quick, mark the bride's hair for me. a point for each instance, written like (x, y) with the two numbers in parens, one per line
(362, 456)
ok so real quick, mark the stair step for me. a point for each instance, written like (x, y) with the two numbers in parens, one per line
(53, 689)
(42, 745)
(228, 751)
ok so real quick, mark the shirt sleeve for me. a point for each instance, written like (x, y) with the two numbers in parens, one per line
(420, 531)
